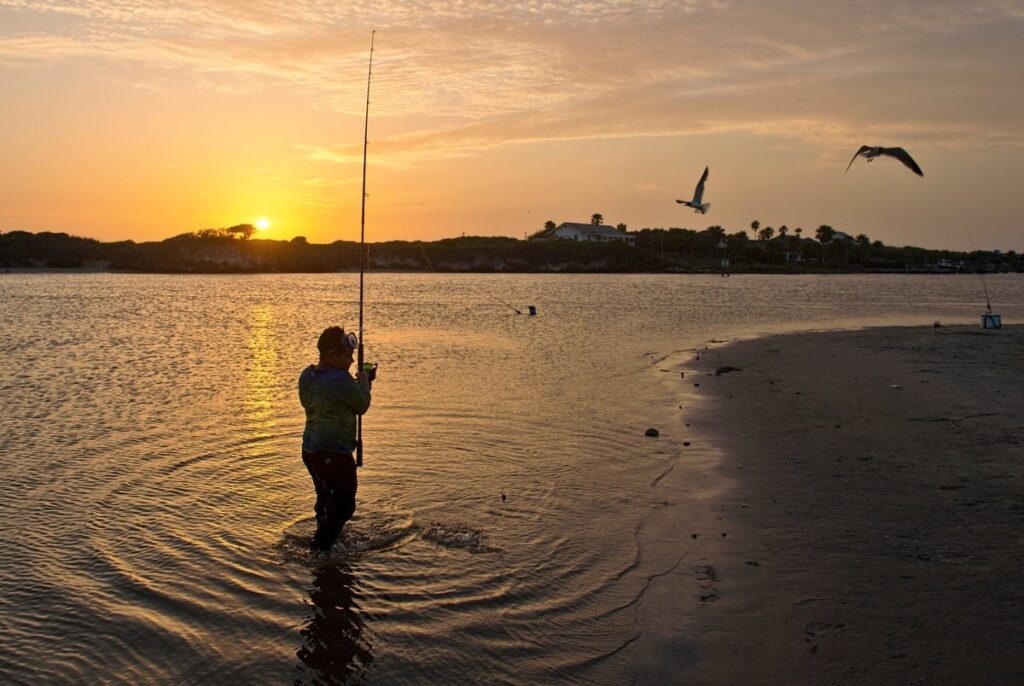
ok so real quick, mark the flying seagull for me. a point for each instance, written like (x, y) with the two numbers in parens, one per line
(870, 152)
(698, 195)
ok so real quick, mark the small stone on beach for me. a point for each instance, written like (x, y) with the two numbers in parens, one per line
(651, 432)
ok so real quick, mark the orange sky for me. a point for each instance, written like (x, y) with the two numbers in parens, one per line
(142, 119)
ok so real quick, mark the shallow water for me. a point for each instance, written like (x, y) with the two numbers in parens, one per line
(154, 509)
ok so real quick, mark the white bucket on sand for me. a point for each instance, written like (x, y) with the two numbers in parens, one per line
(991, 321)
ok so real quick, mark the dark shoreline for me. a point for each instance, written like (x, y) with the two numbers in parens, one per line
(103, 270)
(656, 251)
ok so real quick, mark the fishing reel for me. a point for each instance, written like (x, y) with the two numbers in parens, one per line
(371, 370)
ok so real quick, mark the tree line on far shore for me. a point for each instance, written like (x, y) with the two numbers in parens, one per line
(676, 250)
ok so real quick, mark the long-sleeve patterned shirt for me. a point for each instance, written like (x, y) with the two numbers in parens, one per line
(332, 398)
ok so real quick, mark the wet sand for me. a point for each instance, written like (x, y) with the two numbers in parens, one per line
(875, 528)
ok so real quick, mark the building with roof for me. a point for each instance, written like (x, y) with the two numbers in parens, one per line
(595, 233)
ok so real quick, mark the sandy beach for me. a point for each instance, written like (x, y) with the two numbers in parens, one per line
(874, 532)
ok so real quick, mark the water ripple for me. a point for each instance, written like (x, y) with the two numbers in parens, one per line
(513, 519)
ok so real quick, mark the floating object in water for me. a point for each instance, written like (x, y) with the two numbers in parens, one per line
(698, 196)
(651, 432)
(502, 497)
(533, 310)
(870, 152)
(991, 321)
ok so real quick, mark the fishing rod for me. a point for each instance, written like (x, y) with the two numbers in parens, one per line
(362, 251)
(988, 302)
(431, 267)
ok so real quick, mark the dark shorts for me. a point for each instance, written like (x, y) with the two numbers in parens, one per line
(332, 471)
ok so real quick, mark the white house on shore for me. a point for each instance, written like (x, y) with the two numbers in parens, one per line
(599, 233)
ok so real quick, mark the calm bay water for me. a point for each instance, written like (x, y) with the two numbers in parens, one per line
(154, 508)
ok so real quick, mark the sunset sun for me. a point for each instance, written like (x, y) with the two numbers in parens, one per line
(262, 223)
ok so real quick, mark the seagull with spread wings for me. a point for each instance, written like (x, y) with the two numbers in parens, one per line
(870, 152)
(698, 196)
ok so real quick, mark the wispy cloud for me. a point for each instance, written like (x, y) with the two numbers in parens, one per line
(521, 72)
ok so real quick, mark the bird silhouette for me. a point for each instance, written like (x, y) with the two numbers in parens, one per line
(698, 196)
(870, 152)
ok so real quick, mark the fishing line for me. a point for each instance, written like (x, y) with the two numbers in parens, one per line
(988, 302)
(431, 267)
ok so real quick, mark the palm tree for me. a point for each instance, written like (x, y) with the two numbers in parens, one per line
(846, 242)
(597, 219)
(783, 230)
(549, 225)
(863, 246)
(754, 226)
(798, 231)
(767, 233)
(825, 234)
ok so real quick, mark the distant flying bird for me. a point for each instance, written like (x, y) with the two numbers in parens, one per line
(870, 152)
(698, 195)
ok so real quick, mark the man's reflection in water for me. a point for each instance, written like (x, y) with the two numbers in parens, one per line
(334, 650)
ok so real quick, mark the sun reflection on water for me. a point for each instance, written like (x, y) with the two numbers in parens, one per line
(262, 376)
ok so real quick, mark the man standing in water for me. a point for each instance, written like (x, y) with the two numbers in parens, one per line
(332, 399)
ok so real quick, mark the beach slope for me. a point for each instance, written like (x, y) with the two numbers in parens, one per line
(876, 525)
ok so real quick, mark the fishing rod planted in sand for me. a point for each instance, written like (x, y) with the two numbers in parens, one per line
(368, 367)
(989, 320)
(981, 272)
